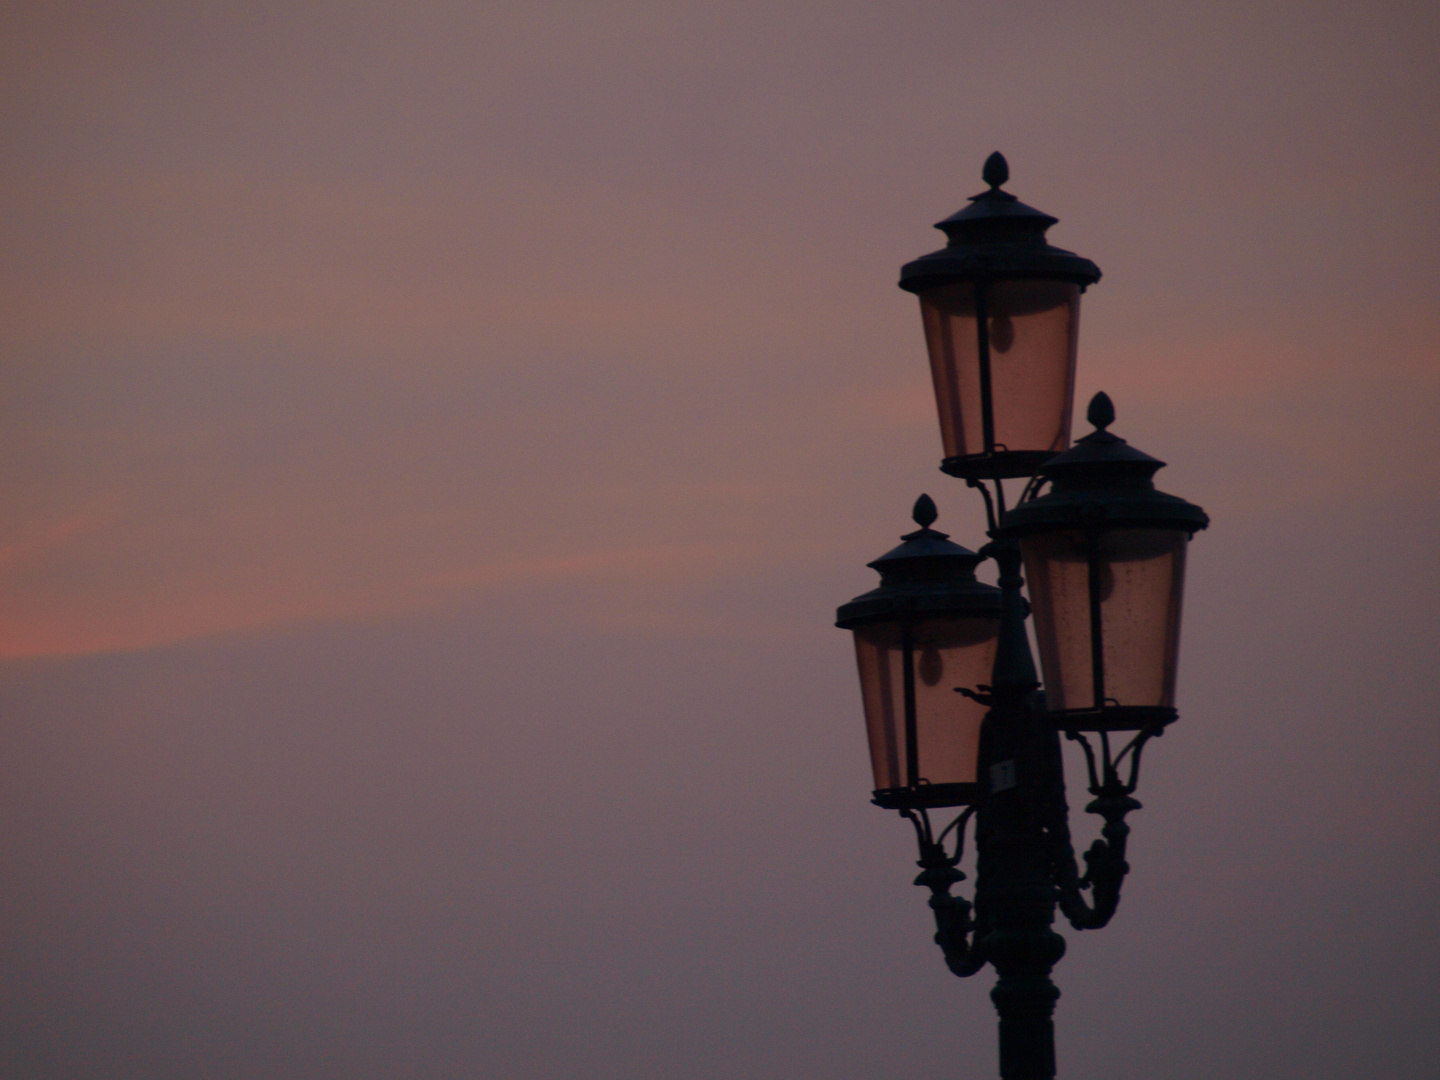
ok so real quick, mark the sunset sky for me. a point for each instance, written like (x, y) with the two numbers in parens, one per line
(434, 439)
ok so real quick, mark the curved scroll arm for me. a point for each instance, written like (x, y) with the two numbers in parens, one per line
(1105, 865)
(956, 931)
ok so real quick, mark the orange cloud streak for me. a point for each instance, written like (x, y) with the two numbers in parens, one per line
(129, 621)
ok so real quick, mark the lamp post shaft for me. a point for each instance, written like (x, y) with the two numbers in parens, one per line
(1015, 891)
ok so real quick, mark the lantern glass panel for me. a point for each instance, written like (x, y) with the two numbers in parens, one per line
(1033, 330)
(1140, 577)
(946, 653)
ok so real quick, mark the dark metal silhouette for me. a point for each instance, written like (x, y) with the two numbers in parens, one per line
(1102, 498)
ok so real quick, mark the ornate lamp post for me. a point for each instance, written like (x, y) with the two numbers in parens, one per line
(1105, 554)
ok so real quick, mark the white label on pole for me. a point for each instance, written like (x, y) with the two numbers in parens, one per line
(1002, 776)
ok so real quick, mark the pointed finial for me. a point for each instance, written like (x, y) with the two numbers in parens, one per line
(924, 512)
(1101, 412)
(996, 171)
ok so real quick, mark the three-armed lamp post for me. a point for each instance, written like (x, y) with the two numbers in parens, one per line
(1104, 552)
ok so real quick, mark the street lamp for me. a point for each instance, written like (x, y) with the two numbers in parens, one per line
(1002, 318)
(929, 627)
(1105, 554)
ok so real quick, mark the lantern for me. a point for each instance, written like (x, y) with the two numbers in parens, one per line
(1001, 309)
(1104, 556)
(929, 629)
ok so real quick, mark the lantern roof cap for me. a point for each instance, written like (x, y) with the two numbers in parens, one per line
(1102, 482)
(926, 544)
(996, 236)
(1101, 450)
(993, 204)
(927, 576)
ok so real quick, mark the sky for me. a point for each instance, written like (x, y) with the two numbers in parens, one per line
(434, 439)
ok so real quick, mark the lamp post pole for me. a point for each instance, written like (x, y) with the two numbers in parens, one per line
(1015, 895)
(1105, 552)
